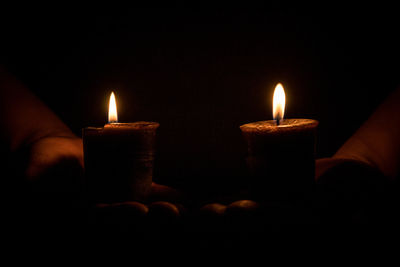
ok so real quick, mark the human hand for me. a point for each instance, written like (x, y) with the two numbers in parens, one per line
(240, 215)
(347, 189)
(55, 164)
(48, 180)
(161, 208)
(247, 216)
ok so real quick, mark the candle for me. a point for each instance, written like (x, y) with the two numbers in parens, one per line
(119, 159)
(281, 153)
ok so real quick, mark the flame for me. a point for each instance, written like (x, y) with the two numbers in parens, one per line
(112, 109)
(278, 103)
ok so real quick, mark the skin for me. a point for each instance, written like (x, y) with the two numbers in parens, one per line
(366, 165)
(48, 157)
(49, 148)
(376, 142)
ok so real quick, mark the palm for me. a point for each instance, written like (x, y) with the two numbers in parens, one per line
(55, 163)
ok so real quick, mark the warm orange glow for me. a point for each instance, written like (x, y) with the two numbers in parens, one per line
(112, 109)
(279, 103)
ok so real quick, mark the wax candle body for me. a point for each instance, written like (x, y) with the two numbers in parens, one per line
(119, 161)
(281, 159)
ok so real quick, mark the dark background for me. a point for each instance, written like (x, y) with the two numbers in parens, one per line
(201, 73)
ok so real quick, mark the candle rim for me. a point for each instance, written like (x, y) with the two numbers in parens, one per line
(286, 125)
(132, 125)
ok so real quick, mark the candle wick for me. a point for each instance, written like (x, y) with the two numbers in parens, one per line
(277, 122)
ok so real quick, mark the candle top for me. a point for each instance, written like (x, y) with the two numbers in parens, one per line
(286, 125)
(133, 125)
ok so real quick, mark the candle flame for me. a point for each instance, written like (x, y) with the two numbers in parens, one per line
(278, 103)
(112, 109)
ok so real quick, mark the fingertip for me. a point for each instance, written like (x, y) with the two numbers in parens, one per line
(240, 206)
(164, 209)
(133, 207)
(131, 212)
(243, 204)
(161, 192)
(213, 209)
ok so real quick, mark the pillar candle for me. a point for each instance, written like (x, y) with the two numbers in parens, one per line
(119, 159)
(281, 154)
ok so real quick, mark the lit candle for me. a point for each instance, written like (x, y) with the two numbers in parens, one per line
(119, 159)
(281, 153)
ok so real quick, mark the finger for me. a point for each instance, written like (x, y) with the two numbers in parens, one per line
(213, 209)
(324, 165)
(161, 212)
(131, 212)
(241, 206)
(163, 193)
(211, 218)
(132, 207)
(348, 186)
(242, 209)
(242, 215)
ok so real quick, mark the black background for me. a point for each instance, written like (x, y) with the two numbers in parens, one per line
(201, 73)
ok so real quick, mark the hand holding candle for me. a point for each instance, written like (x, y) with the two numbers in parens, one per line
(281, 153)
(119, 159)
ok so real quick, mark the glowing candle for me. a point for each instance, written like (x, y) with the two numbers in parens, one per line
(119, 159)
(281, 153)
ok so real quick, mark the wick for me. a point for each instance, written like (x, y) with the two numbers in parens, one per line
(277, 122)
